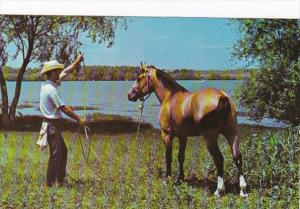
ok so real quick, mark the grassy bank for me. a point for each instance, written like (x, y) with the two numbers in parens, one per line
(129, 173)
(98, 123)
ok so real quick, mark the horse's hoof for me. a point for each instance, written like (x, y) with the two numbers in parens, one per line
(243, 193)
(219, 192)
(220, 187)
(179, 181)
(166, 179)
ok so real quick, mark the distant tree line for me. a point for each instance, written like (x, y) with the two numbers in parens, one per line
(107, 73)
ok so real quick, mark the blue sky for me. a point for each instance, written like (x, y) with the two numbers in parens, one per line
(168, 43)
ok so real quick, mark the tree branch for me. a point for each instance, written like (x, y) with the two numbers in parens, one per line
(21, 41)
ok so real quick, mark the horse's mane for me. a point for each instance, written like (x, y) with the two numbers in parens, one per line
(167, 80)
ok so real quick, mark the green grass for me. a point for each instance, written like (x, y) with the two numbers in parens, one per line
(130, 172)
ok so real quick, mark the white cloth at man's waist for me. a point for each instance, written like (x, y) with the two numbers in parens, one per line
(42, 140)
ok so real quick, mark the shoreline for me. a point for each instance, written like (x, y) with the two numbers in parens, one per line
(100, 123)
(103, 123)
(201, 80)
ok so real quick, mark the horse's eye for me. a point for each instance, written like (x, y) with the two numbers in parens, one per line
(139, 79)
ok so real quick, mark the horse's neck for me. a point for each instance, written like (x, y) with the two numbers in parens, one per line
(162, 92)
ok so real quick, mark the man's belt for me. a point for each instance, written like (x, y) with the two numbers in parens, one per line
(51, 121)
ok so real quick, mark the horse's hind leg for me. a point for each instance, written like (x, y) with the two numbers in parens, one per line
(213, 148)
(234, 141)
(181, 152)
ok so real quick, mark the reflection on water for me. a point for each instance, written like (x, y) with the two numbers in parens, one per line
(110, 97)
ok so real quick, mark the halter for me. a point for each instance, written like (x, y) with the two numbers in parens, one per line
(143, 99)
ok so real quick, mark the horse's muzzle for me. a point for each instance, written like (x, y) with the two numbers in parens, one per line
(132, 99)
(132, 96)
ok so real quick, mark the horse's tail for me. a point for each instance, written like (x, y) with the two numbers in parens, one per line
(224, 107)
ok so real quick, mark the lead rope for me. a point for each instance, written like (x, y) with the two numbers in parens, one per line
(86, 128)
(141, 107)
(86, 131)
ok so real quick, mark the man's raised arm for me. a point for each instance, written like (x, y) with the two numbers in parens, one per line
(71, 67)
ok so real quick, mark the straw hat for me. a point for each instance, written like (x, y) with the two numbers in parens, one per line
(52, 65)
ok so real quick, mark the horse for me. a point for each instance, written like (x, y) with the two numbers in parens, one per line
(208, 112)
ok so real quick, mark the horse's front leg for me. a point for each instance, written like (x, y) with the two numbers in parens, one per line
(181, 152)
(168, 141)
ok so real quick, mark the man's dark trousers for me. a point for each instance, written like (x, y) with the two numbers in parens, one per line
(58, 153)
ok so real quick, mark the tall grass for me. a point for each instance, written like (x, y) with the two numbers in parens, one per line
(130, 172)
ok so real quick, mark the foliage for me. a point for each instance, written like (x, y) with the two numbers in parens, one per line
(213, 75)
(40, 38)
(3, 54)
(129, 173)
(277, 150)
(274, 90)
(56, 37)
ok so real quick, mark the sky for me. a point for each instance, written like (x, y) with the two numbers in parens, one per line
(168, 43)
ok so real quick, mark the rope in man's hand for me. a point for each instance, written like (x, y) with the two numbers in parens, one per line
(83, 125)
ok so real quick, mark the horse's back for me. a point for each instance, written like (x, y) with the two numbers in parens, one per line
(205, 101)
(190, 113)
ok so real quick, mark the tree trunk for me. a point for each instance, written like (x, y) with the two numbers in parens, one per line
(5, 118)
(14, 103)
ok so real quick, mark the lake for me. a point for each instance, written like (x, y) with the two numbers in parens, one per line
(110, 97)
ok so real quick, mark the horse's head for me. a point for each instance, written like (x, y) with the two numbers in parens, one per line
(142, 86)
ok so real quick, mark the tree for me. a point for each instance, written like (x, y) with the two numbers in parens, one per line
(3, 60)
(225, 75)
(273, 90)
(213, 75)
(40, 38)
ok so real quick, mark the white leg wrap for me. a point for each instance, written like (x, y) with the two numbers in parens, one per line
(220, 187)
(243, 185)
(242, 182)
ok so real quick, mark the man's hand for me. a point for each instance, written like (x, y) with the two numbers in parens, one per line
(79, 58)
(69, 112)
(81, 121)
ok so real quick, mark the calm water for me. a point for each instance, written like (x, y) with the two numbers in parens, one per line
(110, 97)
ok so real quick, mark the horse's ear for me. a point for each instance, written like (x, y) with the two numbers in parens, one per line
(143, 67)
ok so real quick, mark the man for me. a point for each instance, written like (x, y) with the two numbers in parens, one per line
(52, 106)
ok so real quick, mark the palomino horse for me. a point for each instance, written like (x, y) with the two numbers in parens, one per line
(207, 112)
